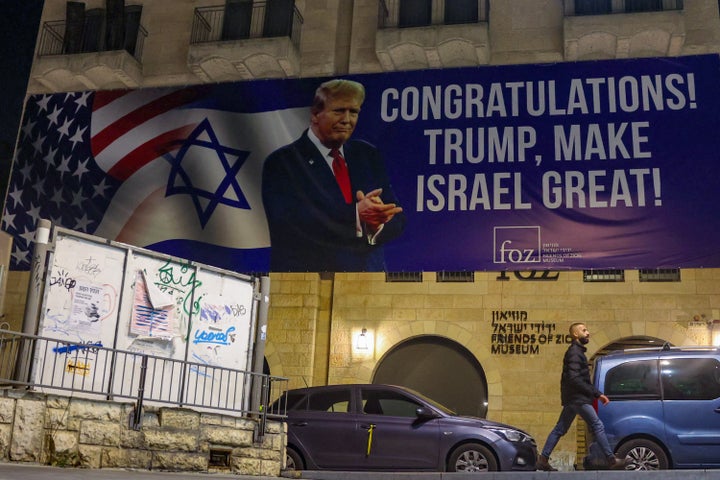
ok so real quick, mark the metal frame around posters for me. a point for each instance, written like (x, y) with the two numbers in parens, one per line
(105, 293)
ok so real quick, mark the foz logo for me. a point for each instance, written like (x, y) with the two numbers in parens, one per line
(516, 245)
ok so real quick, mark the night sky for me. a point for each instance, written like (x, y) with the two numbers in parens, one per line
(18, 31)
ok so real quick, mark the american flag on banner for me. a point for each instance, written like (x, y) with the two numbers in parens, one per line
(171, 170)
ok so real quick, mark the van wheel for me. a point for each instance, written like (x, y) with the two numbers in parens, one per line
(643, 454)
(293, 460)
(472, 457)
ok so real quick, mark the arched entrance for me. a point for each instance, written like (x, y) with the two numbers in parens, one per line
(439, 368)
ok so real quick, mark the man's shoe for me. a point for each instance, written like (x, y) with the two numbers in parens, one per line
(544, 465)
(616, 463)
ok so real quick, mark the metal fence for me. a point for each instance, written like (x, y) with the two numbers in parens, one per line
(214, 24)
(605, 7)
(53, 41)
(57, 366)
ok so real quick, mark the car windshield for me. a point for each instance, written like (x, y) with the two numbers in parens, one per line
(432, 402)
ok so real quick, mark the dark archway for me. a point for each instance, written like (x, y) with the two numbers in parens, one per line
(439, 368)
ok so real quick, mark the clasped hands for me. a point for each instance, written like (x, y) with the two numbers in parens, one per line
(373, 211)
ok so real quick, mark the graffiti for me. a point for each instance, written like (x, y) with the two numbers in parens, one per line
(89, 266)
(514, 335)
(216, 313)
(63, 279)
(89, 347)
(78, 368)
(180, 281)
(215, 337)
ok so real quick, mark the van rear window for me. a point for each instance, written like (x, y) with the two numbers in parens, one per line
(638, 379)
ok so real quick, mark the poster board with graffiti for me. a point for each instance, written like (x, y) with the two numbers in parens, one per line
(220, 335)
(106, 294)
(81, 303)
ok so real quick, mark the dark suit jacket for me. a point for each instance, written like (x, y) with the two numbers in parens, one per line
(311, 226)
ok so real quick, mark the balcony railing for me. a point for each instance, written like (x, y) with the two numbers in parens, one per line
(108, 373)
(606, 7)
(421, 13)
(53, 41)
(245, 20)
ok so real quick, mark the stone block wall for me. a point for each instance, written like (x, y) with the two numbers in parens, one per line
(73, 432)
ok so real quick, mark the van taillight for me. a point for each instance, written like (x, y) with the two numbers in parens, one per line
(595, 405)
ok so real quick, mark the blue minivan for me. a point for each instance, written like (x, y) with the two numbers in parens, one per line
(664, 409)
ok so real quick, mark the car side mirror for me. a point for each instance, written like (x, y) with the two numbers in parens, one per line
(425, 413)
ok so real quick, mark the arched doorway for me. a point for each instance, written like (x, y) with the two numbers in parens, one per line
(438, 368)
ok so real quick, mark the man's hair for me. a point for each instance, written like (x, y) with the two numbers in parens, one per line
(337, 88)
(574, 326)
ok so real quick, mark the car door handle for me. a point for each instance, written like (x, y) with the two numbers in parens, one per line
(717, 410)
(300, 424)
(368, 427)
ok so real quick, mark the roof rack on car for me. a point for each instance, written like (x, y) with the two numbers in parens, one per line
(667, 347)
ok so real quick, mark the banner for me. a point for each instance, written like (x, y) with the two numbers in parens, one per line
(587, 165)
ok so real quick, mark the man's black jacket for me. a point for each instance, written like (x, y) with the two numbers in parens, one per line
(575, 385)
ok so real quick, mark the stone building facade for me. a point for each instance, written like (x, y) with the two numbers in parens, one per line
(314, 319)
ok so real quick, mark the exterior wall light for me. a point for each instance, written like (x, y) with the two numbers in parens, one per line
(362, 340)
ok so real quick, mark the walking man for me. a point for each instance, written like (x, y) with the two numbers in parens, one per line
(577, 393)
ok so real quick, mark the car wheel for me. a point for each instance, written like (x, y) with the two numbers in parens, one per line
(643, 454)
(472, 457)
(293, 460)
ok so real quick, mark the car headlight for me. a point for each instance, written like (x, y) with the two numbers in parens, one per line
(511, 434)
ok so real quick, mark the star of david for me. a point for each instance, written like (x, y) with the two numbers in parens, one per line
(202, 153)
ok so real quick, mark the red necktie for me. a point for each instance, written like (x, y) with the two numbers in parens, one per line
(341, 174)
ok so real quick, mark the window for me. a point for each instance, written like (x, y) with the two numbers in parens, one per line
(337, 401)
(461, 11)
(379, 402)
(643, 5)
(403, 276)
(415, 13)
(592, 7)
(603, 275)
(633, 380)
(690, 378)
(660, 275)
(443, 276)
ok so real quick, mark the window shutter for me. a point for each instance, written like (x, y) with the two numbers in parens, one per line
(236, 23)
(115, 21)
(278, 18)
(94, 32)
(415, 13)
(132, 27)
(74, 23)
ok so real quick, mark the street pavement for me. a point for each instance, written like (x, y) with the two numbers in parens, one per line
(24, 471)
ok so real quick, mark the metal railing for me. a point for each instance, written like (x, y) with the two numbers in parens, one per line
(606, 7)
(106, 373)
(209, 25)
(439, 13)
(52, 41)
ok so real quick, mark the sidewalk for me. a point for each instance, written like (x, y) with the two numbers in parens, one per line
(21, 471)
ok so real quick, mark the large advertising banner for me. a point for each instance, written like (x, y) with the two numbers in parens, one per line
(587, 165)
